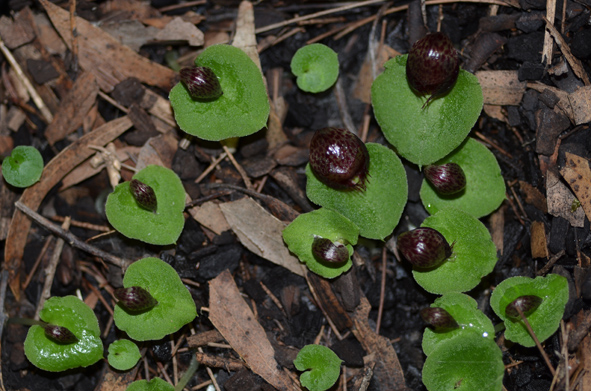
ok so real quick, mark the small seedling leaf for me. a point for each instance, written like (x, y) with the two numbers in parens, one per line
(156, 384)
(485, 187)
(23, 167)
(243, 109)
(123, 354)
(424, 136)
(175, 306)
(325, 223)
(322, 367)
(316, 67)
(474, 255)
(464, 310)
(553, 289)
(162, 227)
(71, 313)
(469, 363)
(376, 210)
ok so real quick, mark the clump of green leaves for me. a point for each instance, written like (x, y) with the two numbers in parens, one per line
(23, 167)
(316, 67)
(322, 367)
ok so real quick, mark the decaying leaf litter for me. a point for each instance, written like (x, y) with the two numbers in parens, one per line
(93, 105)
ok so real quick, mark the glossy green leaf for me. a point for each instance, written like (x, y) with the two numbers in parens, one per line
(156, 384)
(160, 228)
(322, 367)
(23, 167)
(299, 236)
(485, 187)
(243, 108)
(175, 306)
(464, 310)
(469, 363)
(377, 210)
(553, 289)
(123, 354)
(71, 313)
(474, 254)
(316, 67)
(424, 136)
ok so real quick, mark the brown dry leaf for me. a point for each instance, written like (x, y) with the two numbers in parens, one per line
(180, 30)
(560, 200)
(15, 33)
(577, 174)
(131, 33)
(580, 101)
(362, 90)
(210, 216)
(387, 372)
(260, 232)
(585, 384)
(157, 150)
(539, 247)
(533, 196)
(53, 172)
(104, 56)
(245, 37)
(73, 108)
(233, 318)
(497, 228)
(501, 88)
(113, 380)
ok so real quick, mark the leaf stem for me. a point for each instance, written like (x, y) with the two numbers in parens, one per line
(187, 375)
(535, 338)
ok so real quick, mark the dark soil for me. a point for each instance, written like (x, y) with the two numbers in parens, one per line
(522, 144)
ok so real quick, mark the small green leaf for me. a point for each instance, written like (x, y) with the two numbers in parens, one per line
(243, 109)
(467, 363)
(474, 254)
(161, 227)
(156, 384)
(123, 354)
(553, 289)
(485, 187)
(23, 167)
(316, 67)
(375, 211)
(322, 367)
(424, 136)
(175, 306)
(464, 310)
(71, 313)
(299, 236)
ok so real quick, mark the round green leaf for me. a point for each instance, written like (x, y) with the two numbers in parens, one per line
(474, 254)
(464, 310)
(424, 136)
(71, 313)
(553, 289)
(316, 67)
(156, 384)
(123, 354)
(299, 236)
(160, 228)
(243, 108)
(322, 367)
(375, 211)
(469, 363)
(23, 167)
(175, 306)
(485, 187)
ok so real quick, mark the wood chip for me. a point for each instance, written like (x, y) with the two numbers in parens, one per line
(210, 216)
(73, 108)
(580, 101)
(179, 30)
(560, 200)
(387, 372)
(533, 196)
(104, 56)
(15, 33)
(260, 232)
(539, 247)
(501, 88)
(234, 319)
(577, 174)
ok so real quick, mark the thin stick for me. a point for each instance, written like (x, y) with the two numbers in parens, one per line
(238, 168)
(47, 116)
(37, 262)
(535, 338)
(50, 269)
(71, 238)
(74, 35)
(213, 164)
(210, 373)
(382, 291)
